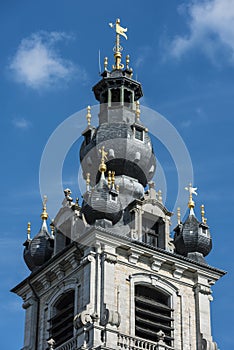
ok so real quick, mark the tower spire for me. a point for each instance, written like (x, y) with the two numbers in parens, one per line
(118, 48)
(44, 214)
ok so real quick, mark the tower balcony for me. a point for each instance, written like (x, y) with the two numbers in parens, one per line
(124, 341)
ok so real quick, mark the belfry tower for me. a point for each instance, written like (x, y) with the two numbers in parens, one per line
(107, 274)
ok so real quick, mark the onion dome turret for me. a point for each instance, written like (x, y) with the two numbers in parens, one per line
(39, 249)
(192, 238)
(102, 202)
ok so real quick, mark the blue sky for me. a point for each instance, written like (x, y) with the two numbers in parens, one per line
(183, 54)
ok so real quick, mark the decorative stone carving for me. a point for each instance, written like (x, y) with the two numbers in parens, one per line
(111, 258)
(156, 263)
(110, 317)
(82, 319)
(178, 270)
(133, 256)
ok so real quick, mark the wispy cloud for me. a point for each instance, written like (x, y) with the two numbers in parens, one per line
(211, 29)
(37, 62)
(21, 123)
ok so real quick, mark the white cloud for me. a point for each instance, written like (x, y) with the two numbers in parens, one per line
(21, 123)
(211, 25)
(37, 62)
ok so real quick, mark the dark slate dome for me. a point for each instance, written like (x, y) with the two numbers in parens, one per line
(102, 203)
(127, 156)
(193, 239)
(39, 249)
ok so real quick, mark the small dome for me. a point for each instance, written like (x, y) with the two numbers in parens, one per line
(193, 237)
(102, 203)
(39, 249)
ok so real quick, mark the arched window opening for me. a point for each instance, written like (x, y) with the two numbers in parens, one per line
(152, 314)
(61, 324)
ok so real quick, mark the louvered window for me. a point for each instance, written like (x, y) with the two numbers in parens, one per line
(61, 324)
(152, 314)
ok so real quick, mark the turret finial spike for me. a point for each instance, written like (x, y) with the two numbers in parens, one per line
(106, 63)
(102, 166)
(44, 214)
(191, 203)
(88, 182)
(29, 231)
(113, 179)
(138, 111)
(203, 213)
(178, 216)
(127, 61)
(109, 179)
(160, 196)
(88, 115)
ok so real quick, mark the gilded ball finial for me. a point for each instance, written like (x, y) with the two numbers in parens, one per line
(87, 182)
(191, 190)
(88, 115)
(28, 230)
(127, 61)
(203, 213)
(109, 179)
(178, 216)
(106, 63)
(44, 214)
(102, 166)
(138, 111)
(113, 179)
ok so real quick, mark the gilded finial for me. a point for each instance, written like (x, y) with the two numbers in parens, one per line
(118, 48)
(127, 61)
(160, 196)
(138, 111)
(113, 179)
(109, 179)
(44, 214)
(191, 190)
(87, 182)
(88, 115)
(102, 166)
(29, 230)
(52, 228)
(77, 207)
(203, 214)
(106, 63)
(178, 216)
(117, 188)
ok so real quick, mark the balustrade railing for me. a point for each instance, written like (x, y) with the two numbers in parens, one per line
(69, 345)
(133, 343)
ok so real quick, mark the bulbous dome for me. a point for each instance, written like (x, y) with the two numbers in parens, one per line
(101, 203)
(130, 151)
(39, 249)
(193, 237)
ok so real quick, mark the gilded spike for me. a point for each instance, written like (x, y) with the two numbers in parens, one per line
(138, 111)
(203, 213)
(160, 196)
(102, 166)
(191, 190)
(29, 230)
(44, 214)
(87, 181)
(113, 179)
(118, 48)
(106, 63)
(88, 115)
(109, 179)
(127, 61)
(178, 216)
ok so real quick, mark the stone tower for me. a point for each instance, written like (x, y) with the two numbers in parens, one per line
(108, 275)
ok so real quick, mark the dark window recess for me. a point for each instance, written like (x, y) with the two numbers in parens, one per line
(113, 197)
(139, 134)
(61, 324)
(104, 97)
(152, 314)
(115, 95)
(150, 232)
(127, 98)
(88, 137)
